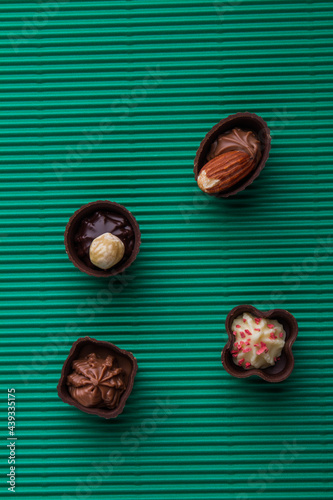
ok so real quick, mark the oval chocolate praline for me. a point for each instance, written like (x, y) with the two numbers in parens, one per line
(243, 121)
(97, 224)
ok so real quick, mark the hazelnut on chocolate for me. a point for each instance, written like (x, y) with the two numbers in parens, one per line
(106, 251)
(232, 154)
(102, 238)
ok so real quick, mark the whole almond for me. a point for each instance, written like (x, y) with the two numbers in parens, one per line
(224, 171)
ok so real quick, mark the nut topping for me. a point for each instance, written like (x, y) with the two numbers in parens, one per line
(106, 251)
(225, 171)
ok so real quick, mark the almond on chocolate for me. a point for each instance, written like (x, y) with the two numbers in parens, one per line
(232, 154)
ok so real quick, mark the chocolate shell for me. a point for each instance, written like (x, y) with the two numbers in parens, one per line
(244, 121)
(72, 228)
(284, 366)
(83, 347)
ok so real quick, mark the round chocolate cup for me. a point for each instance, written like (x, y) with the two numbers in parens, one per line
(84, 346)
(73, 225)
(284, 366)
(245, 121)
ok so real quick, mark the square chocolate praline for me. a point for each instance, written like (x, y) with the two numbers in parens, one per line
(284, 365)
(84, 346)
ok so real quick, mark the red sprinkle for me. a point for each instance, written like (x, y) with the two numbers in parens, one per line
(247, 365)
(244, 320)
(238, 326)
(272, 336)
(247, 349)
(234, 333)
(257, 329)
(270, 325)
(256, 345)
(262, 349)
(281, 335)
(234, 355)
(248, 342)
(241, 361)
(257, 320)
(248, 332)
(234, 352)
(242, 335)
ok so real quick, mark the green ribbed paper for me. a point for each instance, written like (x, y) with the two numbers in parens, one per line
(110, 100)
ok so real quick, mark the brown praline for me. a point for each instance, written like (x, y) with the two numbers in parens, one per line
(73, 227)
(245, 121)
(125, 360)
(284, 366)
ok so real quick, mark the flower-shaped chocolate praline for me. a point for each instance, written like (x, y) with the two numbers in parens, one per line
(97, 377)
(259, 343)
(232, 154)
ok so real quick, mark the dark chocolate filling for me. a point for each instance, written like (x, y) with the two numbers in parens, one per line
(99, 223)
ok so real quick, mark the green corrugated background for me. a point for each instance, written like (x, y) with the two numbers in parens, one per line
(161, 74)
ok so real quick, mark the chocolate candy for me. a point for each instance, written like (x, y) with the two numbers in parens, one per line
(98, 223)
(283, 365)
(232, 154)
(97, 377)
(91, 222)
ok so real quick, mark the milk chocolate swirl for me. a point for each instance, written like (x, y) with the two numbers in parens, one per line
(96, 381)
(236, 140)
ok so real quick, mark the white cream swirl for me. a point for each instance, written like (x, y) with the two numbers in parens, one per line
(258, 341)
